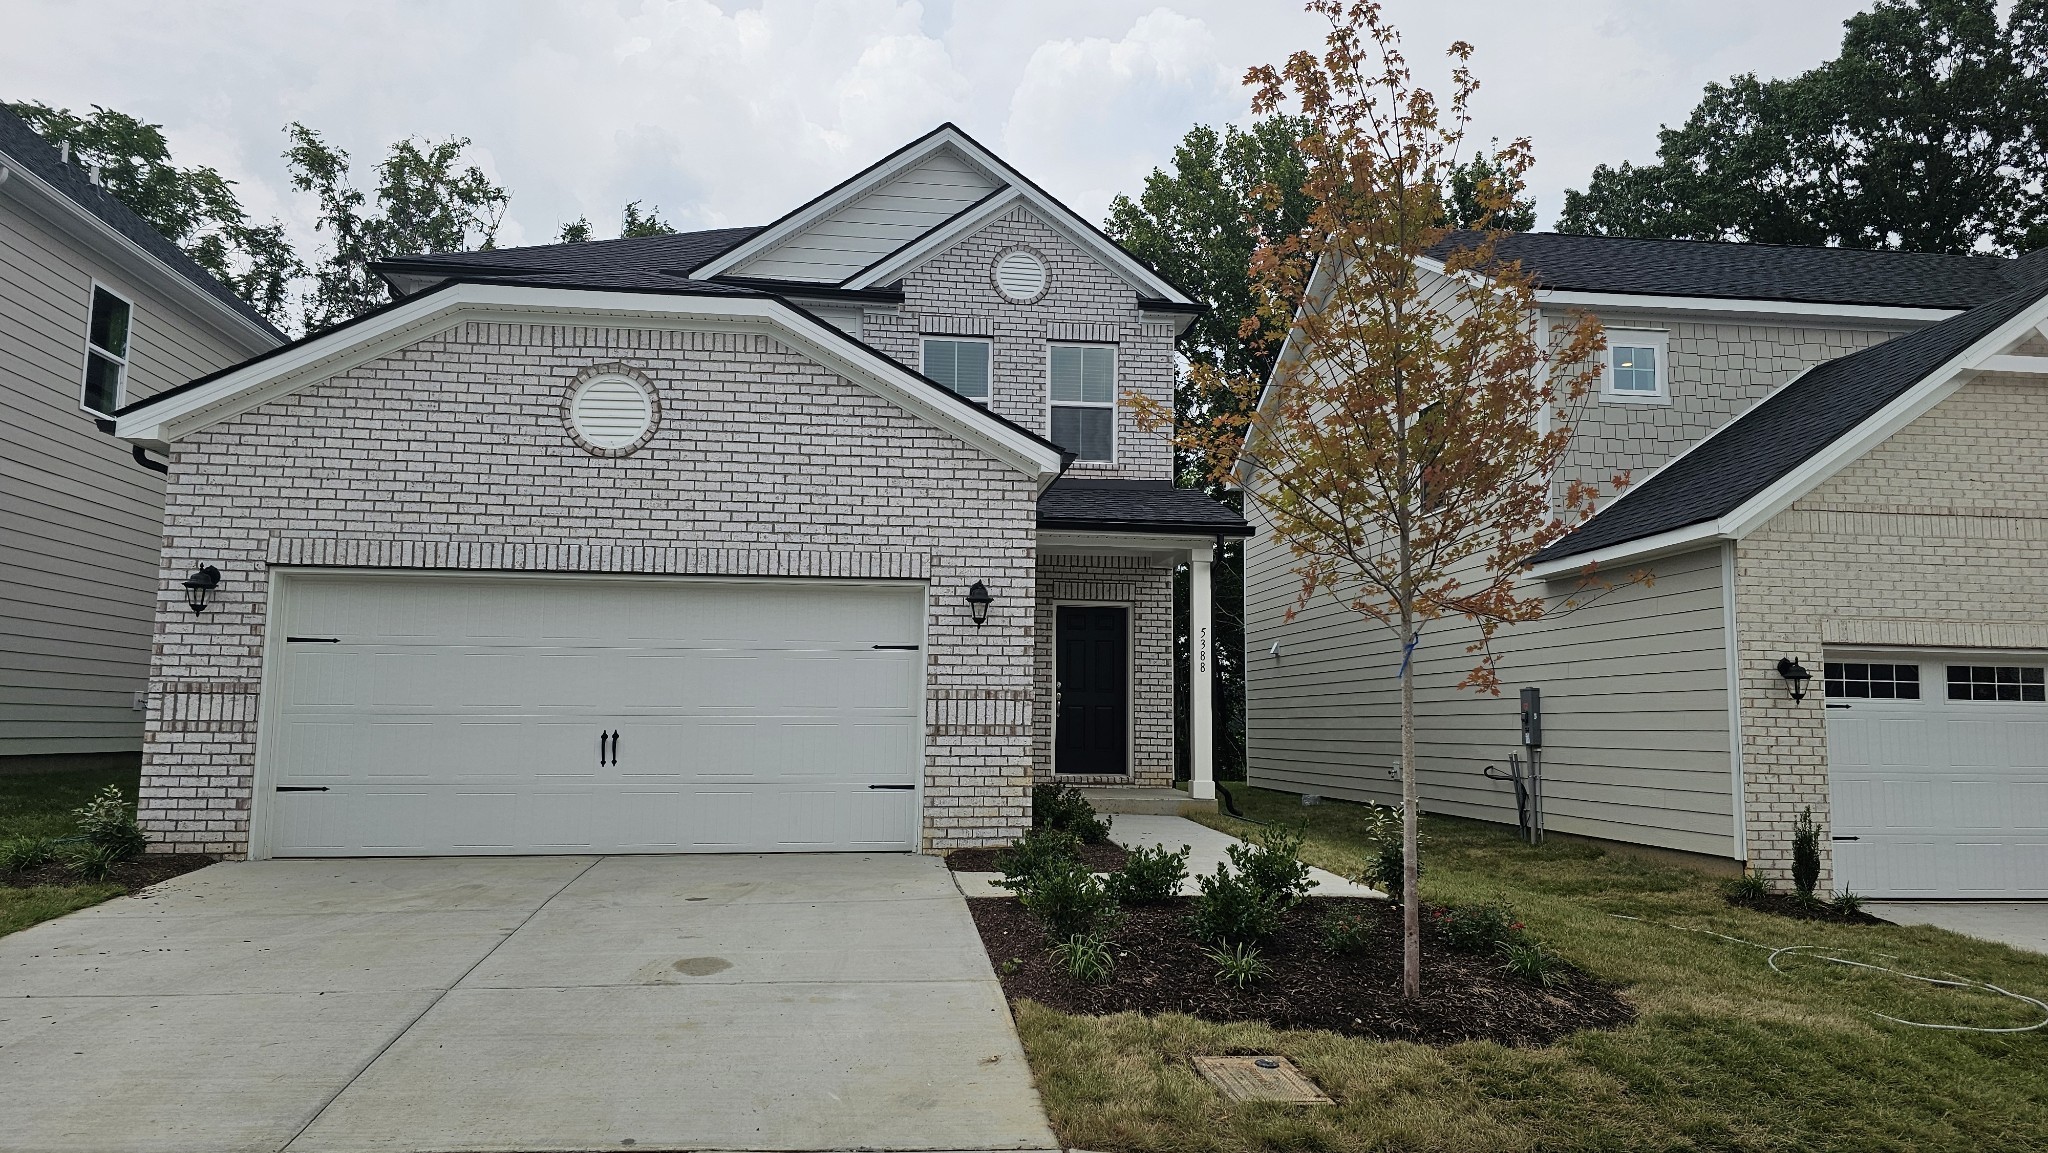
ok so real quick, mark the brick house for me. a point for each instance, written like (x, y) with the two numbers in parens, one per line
(831, 534)
(1838, 472)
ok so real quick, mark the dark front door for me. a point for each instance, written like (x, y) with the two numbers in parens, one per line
(1093, 676)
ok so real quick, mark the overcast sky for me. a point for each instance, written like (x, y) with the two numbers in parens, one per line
(732, 113)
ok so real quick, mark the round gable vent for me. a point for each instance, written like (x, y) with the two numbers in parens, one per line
(612, 413)
(1020, 276)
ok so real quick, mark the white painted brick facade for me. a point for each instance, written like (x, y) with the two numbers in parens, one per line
(452, 453)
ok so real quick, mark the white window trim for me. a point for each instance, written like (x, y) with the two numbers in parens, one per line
(927, 337)
(1656, 339)
(85, 361)
(1113, 405)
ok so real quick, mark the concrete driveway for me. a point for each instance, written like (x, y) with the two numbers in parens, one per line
(529, 1003)
(2021, 924)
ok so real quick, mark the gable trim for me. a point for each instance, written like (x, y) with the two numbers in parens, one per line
(170, 416)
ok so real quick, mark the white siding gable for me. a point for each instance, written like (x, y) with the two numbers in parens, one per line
(895, 214)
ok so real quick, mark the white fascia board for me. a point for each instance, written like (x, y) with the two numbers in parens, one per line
(167, 281)
(239, 391)
(2022, 365)
(1734, 309)
(1634, 551)
(1079, 542)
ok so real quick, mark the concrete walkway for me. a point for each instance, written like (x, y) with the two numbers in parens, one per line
(779, 1002)
(1206, 847)
(2021, 924)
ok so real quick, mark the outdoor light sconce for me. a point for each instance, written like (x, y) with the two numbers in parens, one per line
(199, 587)
(978, 601)
(1795, 675)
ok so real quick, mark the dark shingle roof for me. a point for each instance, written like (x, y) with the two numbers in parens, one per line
(1784, 430)
(1846, 276)
(23, 147)
(675, 253)
(1136, 506)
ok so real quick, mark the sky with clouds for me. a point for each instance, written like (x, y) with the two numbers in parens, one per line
(726, 113)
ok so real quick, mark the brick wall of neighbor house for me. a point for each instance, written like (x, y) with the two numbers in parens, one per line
(953, 293)
(764, 463)
(1937, 538)
(1147, 588)
(1717, 370)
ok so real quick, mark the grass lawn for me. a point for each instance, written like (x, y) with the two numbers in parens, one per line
(41, 805)
(1726, 1054)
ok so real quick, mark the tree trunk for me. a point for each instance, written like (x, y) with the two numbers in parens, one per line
(1411, 862)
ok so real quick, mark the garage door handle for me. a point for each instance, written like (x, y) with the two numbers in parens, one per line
(1845, 838)
(899, 648)
(302, 788)
(892, 786)
(615, 746)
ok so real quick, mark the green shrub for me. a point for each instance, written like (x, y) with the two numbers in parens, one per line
(22, 854)
(1034, 853)
(108, 822)
(1272, 864)
(1150, 875)
(1348, 933)
(1069, 901)
(1532, 963)
(1480, 928)
(1805, 854)
(1057, 806)
(93, 862)
(1747, 887)
(1233, 911)
(1237, 965)
(1085, 957)
(1385, 869)
(1846, 903)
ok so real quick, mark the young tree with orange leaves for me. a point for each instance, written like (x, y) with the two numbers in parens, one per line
(1406, 445)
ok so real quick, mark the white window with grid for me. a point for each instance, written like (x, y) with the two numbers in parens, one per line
(106, 353)
(1638, 365)
(961, 365)
(1083, 400)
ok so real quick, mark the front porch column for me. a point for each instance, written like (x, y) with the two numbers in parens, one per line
(1201, 678)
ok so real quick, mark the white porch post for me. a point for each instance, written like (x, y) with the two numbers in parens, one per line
(1201, 678)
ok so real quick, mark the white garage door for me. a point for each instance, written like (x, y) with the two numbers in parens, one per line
(427, 715)
(1938, 769)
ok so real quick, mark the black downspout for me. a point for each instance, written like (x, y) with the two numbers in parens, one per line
(152, 465)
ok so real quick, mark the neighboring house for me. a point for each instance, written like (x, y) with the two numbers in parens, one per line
(97, 309)
(833, 534)
(1838, 458)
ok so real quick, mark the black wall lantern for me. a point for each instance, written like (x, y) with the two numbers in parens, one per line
(978, 601)
(1795, 675)
(199, 587)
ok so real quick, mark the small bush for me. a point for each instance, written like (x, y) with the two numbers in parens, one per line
(108, 822)
(93, 862)
(1033, 854)
(1237, 965)
(1085, 957)
(1532, 963)
(22, 854)
(1272, 865)
(1057, 806)
(1150, 875)
(1348, 934)
(1846, 903)
(1747, 887)
(1805, 854)
(1233, 911)
(1070, 901)
(1480, 928)
(1386, 869)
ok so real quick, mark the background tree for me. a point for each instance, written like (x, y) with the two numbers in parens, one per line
(631, 224)
(195, 208)
(1928, 133)
(1466, 206)
(427, 200)
(1403, 455)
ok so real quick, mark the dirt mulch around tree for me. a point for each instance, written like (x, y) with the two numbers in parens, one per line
(1793, 905)
(1103, 858)
(1160, 968)
(131, 875)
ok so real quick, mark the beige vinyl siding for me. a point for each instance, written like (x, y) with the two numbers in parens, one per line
(877, 224)
(80, 525)
(1635, 693)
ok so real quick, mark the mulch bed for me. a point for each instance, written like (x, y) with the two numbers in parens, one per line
(1793, 905)
(1104, 858)
(144, 870)
(1160, 968)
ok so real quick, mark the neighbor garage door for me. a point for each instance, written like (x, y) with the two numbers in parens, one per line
(1938, 771)
(412, 715)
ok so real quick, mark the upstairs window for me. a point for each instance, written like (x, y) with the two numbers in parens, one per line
(961, 365)
(106, 353)
(1636, 365)
(1084, 400)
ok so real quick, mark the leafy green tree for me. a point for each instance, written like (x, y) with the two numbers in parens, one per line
(195, 208)
(1929, 133)
(1468, 193)
(633, 224)
(577, 231)
(427, 200)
